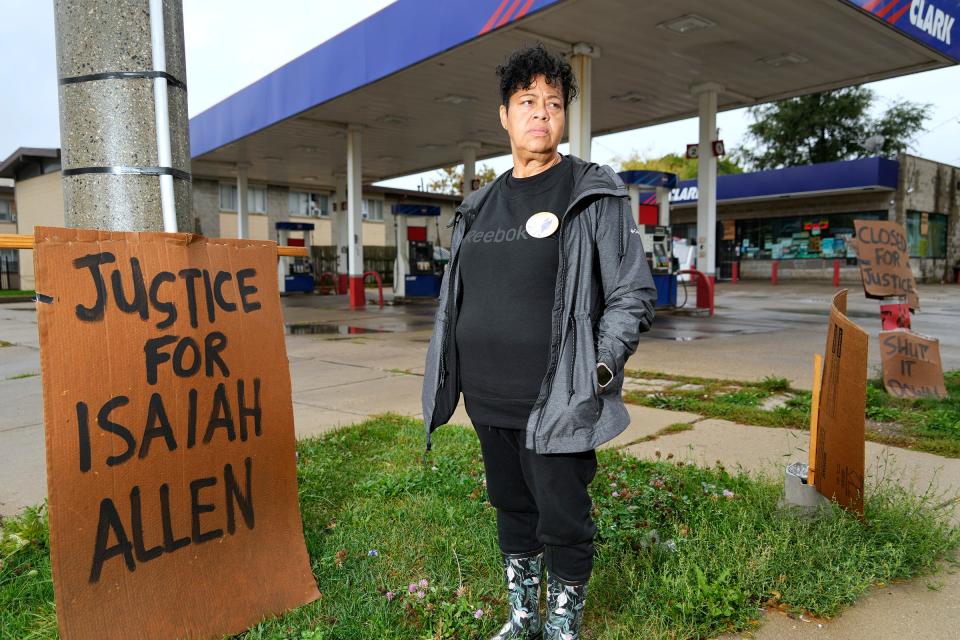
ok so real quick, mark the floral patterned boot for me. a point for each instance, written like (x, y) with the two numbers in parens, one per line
(523, 572)
(565, 602)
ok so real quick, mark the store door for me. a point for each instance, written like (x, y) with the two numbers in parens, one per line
(726, 248)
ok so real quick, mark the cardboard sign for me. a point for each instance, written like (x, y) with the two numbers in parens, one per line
(729, 229)
(885, 261)
(169, 435)
(911, 365)
(840, 433)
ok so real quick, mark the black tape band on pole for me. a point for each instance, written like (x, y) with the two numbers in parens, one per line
(121, 75)
(128, 171)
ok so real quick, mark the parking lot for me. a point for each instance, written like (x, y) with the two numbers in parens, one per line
(346, 365)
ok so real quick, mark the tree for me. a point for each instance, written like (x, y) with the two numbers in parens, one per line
(450, 179)
(827, 127)
(684, 167)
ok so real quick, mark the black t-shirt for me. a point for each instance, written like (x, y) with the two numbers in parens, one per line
(509, 281)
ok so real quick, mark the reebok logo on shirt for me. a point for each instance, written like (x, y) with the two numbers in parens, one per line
(498, 236)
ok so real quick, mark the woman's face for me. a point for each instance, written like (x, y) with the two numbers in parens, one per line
(535, 117)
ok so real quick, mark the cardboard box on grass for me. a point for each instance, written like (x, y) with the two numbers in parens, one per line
(839, 455)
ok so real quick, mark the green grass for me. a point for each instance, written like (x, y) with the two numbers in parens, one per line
(26, 588)
(683, 552)
(16, 293)
(727, 399)
(925, 424)
(676, 427)
(21, 376)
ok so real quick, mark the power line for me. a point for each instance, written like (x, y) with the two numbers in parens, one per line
(954, 117)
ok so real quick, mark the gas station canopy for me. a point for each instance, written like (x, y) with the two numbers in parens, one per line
(418, 76)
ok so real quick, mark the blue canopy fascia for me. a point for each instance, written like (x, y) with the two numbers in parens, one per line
(849, 175)
(403, 34)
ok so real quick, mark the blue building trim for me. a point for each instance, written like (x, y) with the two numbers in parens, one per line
(295, 226)
(400, 35)
(849, 175)
(415, 210)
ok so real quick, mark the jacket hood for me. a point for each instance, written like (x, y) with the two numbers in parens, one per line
(587, 176)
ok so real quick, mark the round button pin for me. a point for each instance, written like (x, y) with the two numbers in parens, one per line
(543, 224)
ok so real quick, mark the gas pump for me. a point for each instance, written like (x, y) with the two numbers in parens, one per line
(650, 200)
(294, 273)
(658, 243)
(414, 270)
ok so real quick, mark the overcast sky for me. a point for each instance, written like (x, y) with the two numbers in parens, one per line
(232, 43)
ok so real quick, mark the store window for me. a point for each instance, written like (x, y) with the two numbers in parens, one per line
(927, 234)
(793, 237)
(373, 210)
(302, 203)
(256, 198)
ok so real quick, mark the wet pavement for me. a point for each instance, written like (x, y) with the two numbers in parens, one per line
(762, 330)
(346, 365)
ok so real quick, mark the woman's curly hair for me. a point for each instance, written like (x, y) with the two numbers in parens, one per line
(519, 71)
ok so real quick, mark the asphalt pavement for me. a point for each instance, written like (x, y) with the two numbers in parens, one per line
(348, 365)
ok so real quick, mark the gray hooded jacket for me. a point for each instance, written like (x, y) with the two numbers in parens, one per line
(604, 300)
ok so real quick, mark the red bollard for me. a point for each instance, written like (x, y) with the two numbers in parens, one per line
(735, 276)
(836, 273)
(774, 272)
(376, 276)
(705, 286)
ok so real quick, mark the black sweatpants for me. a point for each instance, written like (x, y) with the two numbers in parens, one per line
(541, 501)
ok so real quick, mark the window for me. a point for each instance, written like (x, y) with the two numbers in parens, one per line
(9, 260)
(6, 211)
(373, 210)
(228, 197)
(927, 234)
(791, 237)
(256, 198)
(302, 203)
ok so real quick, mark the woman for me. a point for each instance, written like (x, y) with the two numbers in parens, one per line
(544, 299)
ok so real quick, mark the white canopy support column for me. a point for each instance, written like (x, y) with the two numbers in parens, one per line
(663, 205)
(634, 191)
(354, 218)
(707, 179)
(401, 265)
(243, 219)
(339, 234)
(469, 149)
(579, 125)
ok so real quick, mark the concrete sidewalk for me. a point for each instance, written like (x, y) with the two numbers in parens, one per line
(347, 366)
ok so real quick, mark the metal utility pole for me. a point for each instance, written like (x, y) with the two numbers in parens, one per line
(124, 138)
